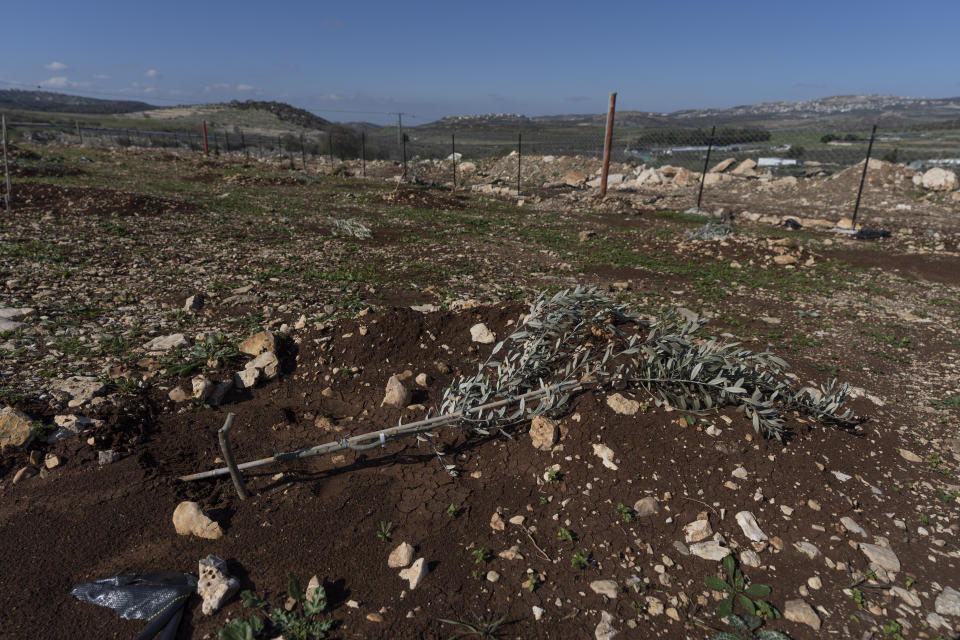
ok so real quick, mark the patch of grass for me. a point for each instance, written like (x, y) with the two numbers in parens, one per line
(483, 628)
(580, 560)
(948, 403)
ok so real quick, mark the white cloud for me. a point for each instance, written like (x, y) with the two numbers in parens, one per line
(152, 73)
(55, 66)
(219, 86)
(150, 90)
(102, 76)
(63, 82)
(245, 87)
(57, 82)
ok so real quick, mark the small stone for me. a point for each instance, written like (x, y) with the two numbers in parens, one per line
(543, 433)
(800, 611)
(400, 557)
(267, 364)
(948, 602)
(492, 576)
(785, 510)
(697, 530)
(749, 558)
(751, 529)
(166, 343)
(23, 473)
(605, 630)
(936, 621)
(415, 573)
(312, 587)
(813, 504)
(908, 597)
(81, 389)
(189, 519)
(517, 520)
(246, 379)
(622, 405)
(202, 388)
(108, 456)
(423, 380)
(646, 507)
(194, 303)
(606, 455)
(654, 606)
(815, 582)
(538, 612)
(711, 550)
(215, 585)
(396, 394)
(15, 428)
(909, 456)
(480, 333)
(177, 394)
(258, 343)
(606, 588)
(496, 522)
(740, 473)
(513, 553)
(883, 557)
(374, 617)
(851, 526)
(51, 461)
(806, 548)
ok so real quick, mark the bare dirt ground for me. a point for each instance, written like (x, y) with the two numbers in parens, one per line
(102, 255)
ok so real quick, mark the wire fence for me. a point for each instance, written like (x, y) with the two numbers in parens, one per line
(818, 147)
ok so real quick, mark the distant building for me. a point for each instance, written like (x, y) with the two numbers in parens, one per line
(778, 162)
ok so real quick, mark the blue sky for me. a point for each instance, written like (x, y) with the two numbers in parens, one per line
(360, 60)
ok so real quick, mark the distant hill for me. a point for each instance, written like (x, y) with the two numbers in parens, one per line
(853, 111)
(63, 103)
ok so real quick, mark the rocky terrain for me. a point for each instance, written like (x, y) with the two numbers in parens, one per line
(145, 296)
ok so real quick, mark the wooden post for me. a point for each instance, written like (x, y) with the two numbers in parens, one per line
(79, 135)
(453, 155)
(6, 164)
(203, 125)
(607, 141)
(303, 153)
(363, 152)
(330, 147)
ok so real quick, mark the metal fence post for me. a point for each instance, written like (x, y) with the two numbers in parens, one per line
(303, 153)
(519, 159)
(453, 155)
(863, 177)
(6, 165)
(203, 125)
(363, 152)
(706, 161)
